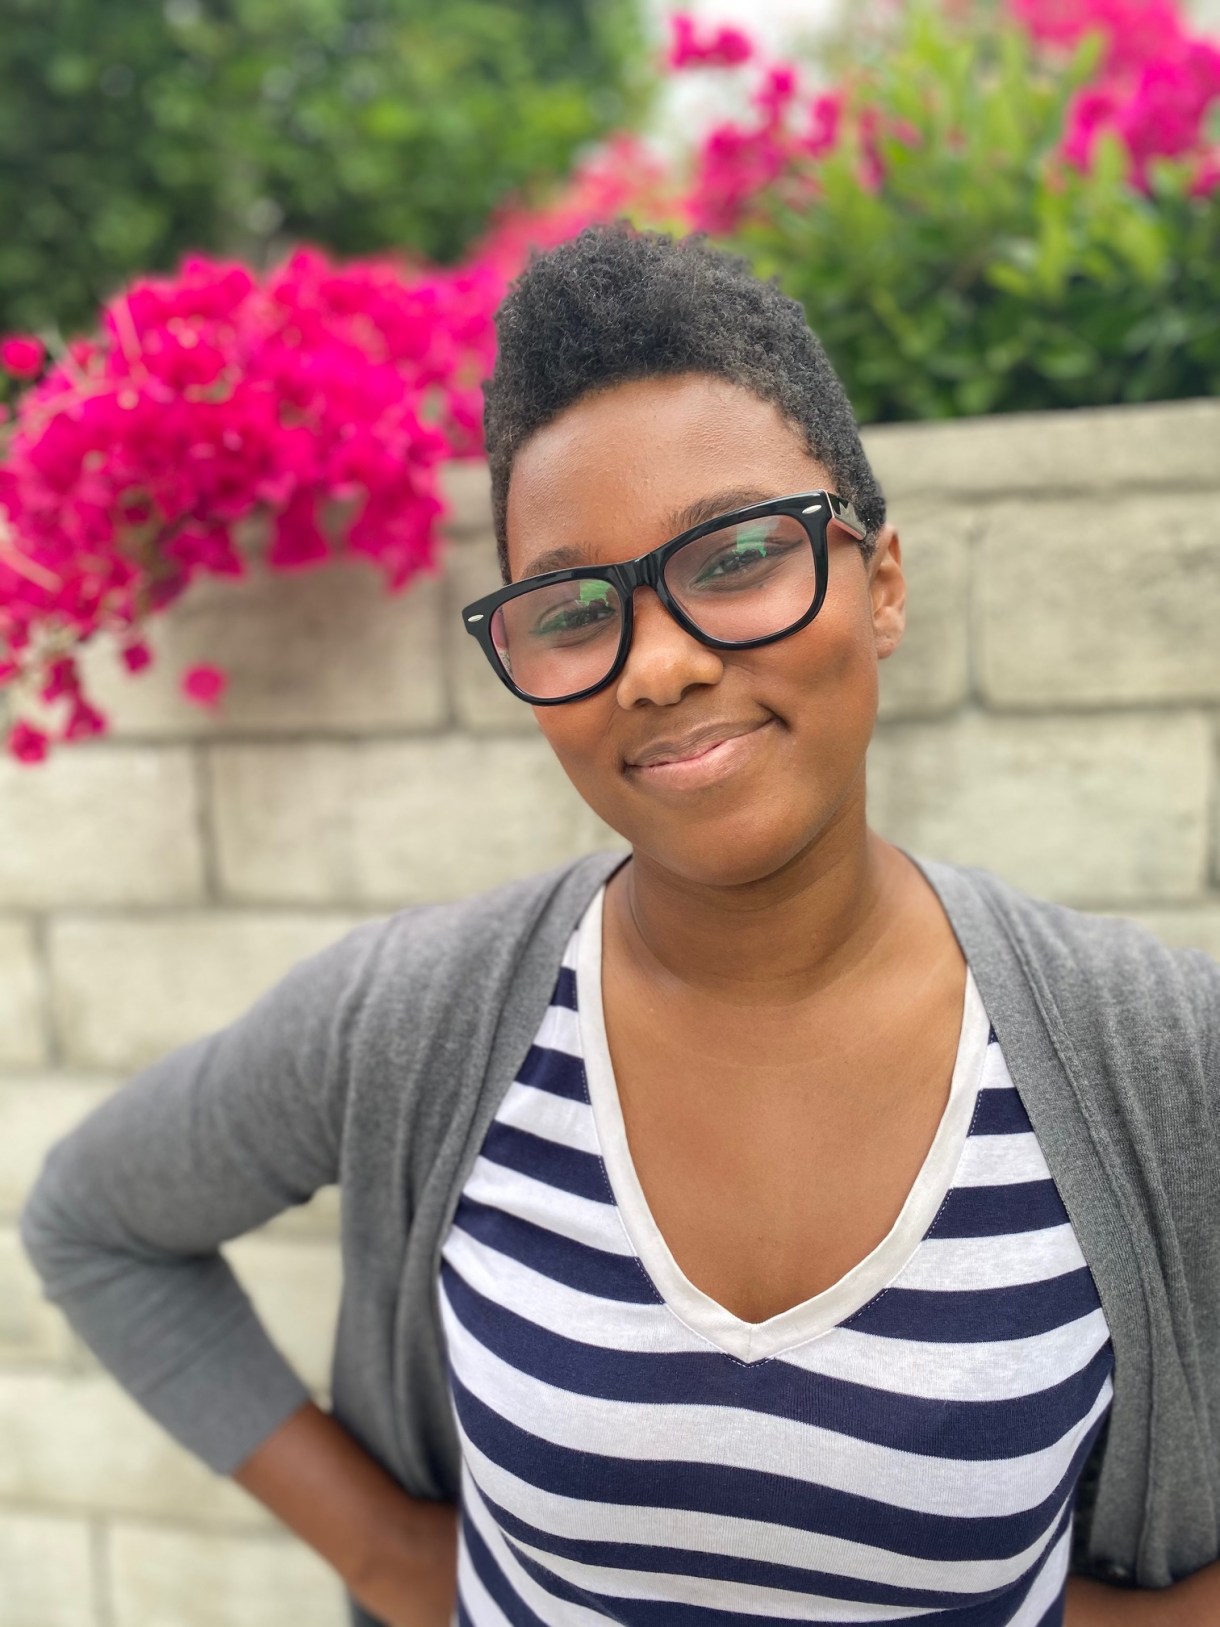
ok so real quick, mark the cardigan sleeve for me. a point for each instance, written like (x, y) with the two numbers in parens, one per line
(1205, 997)
(124, 1222)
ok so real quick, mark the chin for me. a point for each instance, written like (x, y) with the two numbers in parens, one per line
(730, 851)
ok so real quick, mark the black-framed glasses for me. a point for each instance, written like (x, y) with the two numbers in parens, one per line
(734, 582)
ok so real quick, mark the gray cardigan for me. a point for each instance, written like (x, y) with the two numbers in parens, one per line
(380, 1062)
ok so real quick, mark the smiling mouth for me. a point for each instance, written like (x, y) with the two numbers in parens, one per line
(703, 762)
(697, 745)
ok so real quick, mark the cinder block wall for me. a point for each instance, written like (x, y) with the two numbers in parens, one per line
(1052, 715)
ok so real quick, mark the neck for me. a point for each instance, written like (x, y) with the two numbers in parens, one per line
(772, 942)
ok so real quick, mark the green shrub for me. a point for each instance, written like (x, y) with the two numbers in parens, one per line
(131, 131)
(981, 271)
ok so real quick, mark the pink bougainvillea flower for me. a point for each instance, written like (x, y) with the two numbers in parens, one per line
(62, 679)
(717, 48)
(83, 721)
(825, 118)
(23, 355)
(733, 165)
(1171, 99)
(1206, 179)
(1135, 31)
(136, 657)
(204, 685)
(777, 92)
(28, 744)
(298, 538)
(1093, 111)
(1157, 84)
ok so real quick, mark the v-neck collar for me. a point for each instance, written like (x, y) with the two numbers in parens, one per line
(754, 1341)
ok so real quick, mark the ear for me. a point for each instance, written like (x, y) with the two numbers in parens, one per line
(888, 592)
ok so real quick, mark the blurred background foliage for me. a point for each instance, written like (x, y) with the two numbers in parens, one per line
(133, 131)
(980, 269)
(949, 249)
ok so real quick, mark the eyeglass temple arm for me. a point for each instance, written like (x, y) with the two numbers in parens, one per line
(846, 513)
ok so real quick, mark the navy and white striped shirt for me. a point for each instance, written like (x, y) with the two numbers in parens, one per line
(903, 1446)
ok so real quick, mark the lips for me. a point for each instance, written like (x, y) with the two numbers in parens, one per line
(680, 748)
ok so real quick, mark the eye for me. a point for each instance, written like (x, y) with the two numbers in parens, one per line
(593, 605)
(752, 546)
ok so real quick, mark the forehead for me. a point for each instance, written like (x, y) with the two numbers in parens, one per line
(609, 476)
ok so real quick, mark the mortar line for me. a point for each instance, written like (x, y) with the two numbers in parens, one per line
(205, 823)
(103, 1597)
(52, 1040)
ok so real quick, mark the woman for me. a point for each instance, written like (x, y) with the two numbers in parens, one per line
(768, 1226)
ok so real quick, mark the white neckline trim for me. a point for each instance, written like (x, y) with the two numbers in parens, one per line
(754, 1341)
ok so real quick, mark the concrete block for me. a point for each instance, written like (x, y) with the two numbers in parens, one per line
(23, 1039)
(466, 489)
(166, 1578)
(386, 824)
(46, 1572)
(1093, 449)
(99, 824)
(35, 1110)
(1084, 603)
(127, 990)
(295, 1288)
(1096, 812)
(31, 1329)
(929, 672)
(323, 649)
(80, 1445)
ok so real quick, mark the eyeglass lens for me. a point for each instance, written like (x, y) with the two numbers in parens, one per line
(742, 582)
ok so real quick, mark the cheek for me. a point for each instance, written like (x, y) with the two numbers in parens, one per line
(581, 736)
(827, 673)
(586, 737)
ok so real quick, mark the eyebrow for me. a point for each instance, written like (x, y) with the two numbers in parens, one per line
(682, 519)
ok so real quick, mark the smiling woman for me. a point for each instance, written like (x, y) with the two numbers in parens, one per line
(771, 1225)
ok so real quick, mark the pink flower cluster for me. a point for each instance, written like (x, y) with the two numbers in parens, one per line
(717, 48)
(736, 160)
(1155, 92)
(23, 356)
(206, 398)
(780, 145)
(1158, 83)
(215, 395)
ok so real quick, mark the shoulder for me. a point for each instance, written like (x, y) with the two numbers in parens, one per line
(1110, 972)
(423, 956)
(510, 913)
(1115, 953)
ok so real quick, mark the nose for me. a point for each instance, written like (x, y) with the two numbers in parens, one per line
(664, 660)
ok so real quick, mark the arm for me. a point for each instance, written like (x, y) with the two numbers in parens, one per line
(396, 1553)
(125, 1220)
(1192, 1602)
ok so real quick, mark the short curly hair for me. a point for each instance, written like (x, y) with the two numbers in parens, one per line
(616, 304)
